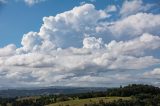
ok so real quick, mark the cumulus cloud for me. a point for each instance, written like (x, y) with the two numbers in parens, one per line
(72, 65)
(65, 29)
(92, 42)
(81, 46)
(93, 49)
(135, 46)
(74, 24)
(8, 50)
(69, 28)
(31, 41)
(135, 25)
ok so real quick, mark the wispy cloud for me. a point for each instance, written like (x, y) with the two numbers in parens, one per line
(3, 1)
(33, 2)
(133, 7)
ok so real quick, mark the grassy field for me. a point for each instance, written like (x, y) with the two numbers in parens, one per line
(81, 102)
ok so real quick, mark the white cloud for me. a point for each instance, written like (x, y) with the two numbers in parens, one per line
(69, 28)
(31, 41)
(133, 7)
(8, 50)
(92, 43)
(129, 54)
(38, 77)
(71, 48)
(65, 29)
(136, 25)
(111, 8)
(153, 74)
(32, 2)
(130, 62)
(117, 55)
(135, 46)
(125, 62)
(70, 25)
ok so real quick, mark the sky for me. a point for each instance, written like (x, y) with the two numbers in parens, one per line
(96, 43)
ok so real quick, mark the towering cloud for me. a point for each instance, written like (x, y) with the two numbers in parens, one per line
(65, 29)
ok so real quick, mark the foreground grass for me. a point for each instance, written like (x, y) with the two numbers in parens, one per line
(81, 102)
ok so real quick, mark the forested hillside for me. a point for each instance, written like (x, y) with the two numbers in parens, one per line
(131, 95)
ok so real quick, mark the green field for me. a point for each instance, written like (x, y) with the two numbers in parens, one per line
(81, 102)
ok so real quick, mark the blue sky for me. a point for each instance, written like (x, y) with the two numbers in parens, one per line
(92, 42)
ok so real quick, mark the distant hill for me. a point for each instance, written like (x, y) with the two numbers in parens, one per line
(48, 91)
